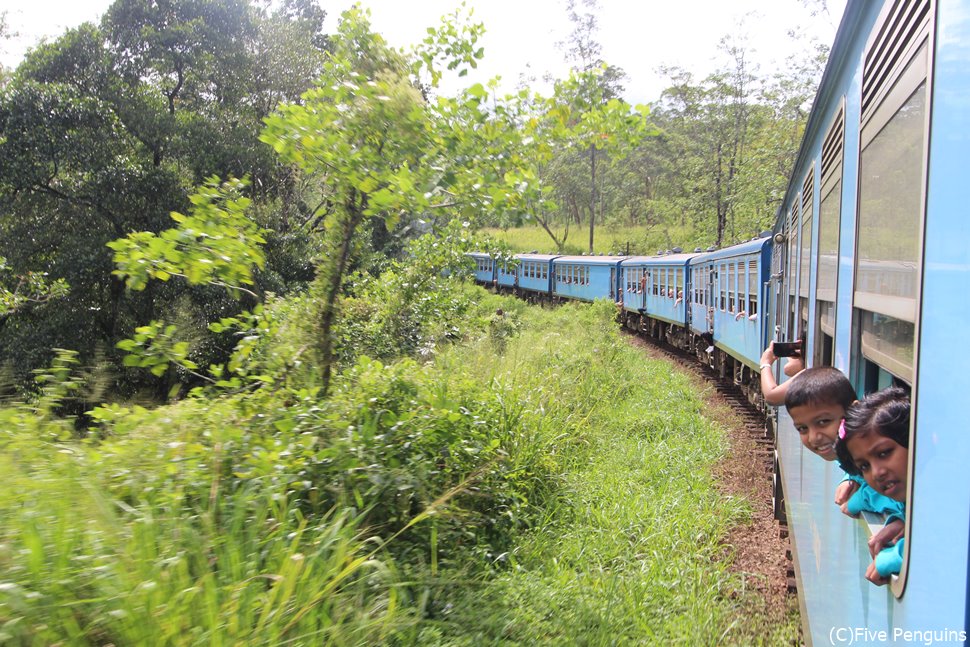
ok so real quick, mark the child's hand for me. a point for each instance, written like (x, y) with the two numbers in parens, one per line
(843, 493)
(873, 576)
(889, 535)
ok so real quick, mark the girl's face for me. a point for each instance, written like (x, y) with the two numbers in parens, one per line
(882, 461)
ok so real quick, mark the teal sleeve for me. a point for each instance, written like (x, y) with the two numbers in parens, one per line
(868, 500)
(889, 561)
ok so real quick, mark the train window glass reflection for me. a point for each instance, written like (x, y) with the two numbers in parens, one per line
(722, 282)
(791, 268)
(887, 261)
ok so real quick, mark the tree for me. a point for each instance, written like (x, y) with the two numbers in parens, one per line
(592, 93)
(587, 120)
(108, 129)
(380, 149)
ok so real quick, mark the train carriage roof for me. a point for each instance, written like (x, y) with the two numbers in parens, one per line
(536, 257)
(667, 259)
(590, 260)
(741, 249)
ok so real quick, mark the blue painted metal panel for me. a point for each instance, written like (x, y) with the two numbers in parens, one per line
(484, 267)
(535, 282)
(737, 332)
(603, 277)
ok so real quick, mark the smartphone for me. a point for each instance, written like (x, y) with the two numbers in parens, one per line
(788, 349)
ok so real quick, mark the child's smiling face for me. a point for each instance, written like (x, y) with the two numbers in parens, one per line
(818, 426)
(882, 461)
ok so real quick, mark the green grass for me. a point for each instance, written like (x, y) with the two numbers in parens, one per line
(630, 548)
(542, 483)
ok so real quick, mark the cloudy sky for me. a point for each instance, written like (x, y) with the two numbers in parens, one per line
(523, 36)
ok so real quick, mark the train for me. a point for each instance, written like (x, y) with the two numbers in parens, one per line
(868, 264)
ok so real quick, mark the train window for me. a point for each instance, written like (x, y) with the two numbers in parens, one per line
(827, 260)
(742, 288)
(722, 287)
(754, 288)
(890, 206)
(679, 294)
(730, 287)
(791, 268)
(805, 252)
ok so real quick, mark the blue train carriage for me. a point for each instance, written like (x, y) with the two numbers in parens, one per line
(586, 278)
(872, 266)
(507, 275)
(655, 293)
(484, 268)
(534, 276)
(727, 302)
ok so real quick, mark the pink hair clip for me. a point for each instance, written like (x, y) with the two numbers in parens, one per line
(842, 429)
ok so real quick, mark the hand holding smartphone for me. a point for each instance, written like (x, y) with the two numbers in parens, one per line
(788, 349)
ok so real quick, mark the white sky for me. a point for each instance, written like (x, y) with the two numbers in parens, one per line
(523, 35)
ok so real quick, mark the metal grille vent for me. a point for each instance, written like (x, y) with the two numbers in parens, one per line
(899, 30)
(808, 191)
(832, 148)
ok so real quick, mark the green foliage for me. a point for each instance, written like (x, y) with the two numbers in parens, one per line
(216, 244)
(29, 288)
(414, 304)
(107, 129)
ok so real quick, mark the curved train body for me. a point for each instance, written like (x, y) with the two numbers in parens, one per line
(869, 263)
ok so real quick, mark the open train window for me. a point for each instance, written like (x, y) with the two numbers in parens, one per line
(805, 252)
(829, 220)
(791, 270)
(891, 197)
(753, 288)
(722, 282)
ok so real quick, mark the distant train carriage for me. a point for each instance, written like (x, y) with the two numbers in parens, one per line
(654, 295)
(507, 275)
(586, 278)
(726, 302)
(535, 275)
(484, 268)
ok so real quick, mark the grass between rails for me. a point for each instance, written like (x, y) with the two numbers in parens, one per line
(567, 475)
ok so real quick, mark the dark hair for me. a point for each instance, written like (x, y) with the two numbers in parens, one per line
(884, 412)
(820, 385)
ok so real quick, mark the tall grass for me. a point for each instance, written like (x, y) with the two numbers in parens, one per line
(629, 547)
(541, 483)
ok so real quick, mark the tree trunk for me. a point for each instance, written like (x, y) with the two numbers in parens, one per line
(592, 195)
(330, 279)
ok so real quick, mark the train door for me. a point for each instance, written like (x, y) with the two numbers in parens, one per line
(710, 275)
